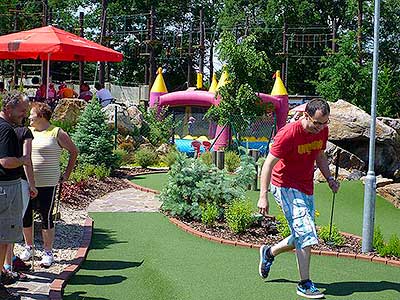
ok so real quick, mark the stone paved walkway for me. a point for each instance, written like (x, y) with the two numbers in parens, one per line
(125, 201)
(128, 200)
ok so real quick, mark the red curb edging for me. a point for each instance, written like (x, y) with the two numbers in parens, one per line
(370, 258)
(144, 189)
(373, 258)
(59, 283)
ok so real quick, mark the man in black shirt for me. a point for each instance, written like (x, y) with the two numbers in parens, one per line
(11, 168)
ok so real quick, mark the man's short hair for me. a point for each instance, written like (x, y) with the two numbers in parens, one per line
(43, 110)
(12, 99)
(317, 104)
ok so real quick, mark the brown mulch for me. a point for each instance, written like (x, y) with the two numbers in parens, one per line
(80, 195)
(266, 233)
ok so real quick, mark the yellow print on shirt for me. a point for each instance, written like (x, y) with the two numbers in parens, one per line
(307, 148)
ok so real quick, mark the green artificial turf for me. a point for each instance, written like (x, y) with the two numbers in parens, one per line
(152, 181)
(348, 211)
(143, 256)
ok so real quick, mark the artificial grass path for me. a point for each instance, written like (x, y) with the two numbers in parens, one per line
(143, 256)
(348, 212)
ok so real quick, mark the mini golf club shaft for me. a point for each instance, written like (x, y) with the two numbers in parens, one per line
(334, 194)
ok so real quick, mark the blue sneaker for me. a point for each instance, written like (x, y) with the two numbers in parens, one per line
(308, 290)
(265, 262)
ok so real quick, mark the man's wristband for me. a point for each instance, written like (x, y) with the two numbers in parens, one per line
(330, 178)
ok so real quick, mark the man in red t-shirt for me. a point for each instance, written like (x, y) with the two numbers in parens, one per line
(289, 168)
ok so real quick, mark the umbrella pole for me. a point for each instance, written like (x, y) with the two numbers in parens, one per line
(48, 76)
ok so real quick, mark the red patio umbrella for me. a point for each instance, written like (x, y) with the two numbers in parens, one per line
(51, 43)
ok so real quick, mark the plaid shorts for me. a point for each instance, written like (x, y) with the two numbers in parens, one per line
(10, 211)
(299, 211)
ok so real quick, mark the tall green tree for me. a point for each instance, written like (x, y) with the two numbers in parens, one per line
(248, 71)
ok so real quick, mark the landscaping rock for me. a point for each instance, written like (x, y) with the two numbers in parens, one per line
(380, 181)
(343, 174)
(391, 192)
(163, 149)
(69, 109)
(135, 115)
(349, 129)
(347, 159)
(123, 121)
(394, 123)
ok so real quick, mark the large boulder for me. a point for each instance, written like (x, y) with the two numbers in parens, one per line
(69, 110)
(135, 115)
(349, 129)
(347, 159)
(124, 124)
(391, 192)
(394, 123)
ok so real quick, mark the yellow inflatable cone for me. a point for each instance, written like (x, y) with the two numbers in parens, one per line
(214, 84)
(159, 84)
(223, 80)
(279, 88)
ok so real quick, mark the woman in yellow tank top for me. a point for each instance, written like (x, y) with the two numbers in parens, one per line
(47, 146)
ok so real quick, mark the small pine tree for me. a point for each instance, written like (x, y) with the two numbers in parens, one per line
(93, 137)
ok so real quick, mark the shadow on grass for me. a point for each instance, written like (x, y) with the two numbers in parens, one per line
(347, 288)
(96, 280)
(102, 238)
(80, 296)
(110, 264)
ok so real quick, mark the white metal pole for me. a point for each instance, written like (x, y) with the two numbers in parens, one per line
(48, 76)
(370, 181)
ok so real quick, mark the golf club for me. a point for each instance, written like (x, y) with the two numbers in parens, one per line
(33, 236)
(57, 215)
(334, 194)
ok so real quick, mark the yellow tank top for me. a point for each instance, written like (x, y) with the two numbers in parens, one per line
(46, 154)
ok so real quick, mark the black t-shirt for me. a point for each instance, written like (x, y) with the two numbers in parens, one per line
(8, 148)
(23, 133)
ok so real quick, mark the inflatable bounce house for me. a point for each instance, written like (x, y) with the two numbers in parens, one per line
(196, 133)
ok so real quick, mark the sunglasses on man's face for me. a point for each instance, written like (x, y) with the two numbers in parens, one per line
(318, 123)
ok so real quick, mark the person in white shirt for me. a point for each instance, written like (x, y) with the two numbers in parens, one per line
(103, 94)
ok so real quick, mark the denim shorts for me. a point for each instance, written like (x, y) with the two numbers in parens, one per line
(299, 211)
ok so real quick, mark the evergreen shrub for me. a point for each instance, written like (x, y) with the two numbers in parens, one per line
(93, 137)
(232, 161)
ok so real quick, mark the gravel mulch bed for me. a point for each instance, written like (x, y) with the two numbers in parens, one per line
(69, 232)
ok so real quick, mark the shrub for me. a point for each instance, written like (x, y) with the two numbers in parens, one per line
(282, 226)
(206, 158)
(170, 158)
(378, 241)
(192, 183)
(393, 246)
(239, 216)
(232, 161)
(336, 237)
(123, 157)
(67, 126)
(93, 137)
(127, 146)
(209, 214)
(85, 171)
(146, 157)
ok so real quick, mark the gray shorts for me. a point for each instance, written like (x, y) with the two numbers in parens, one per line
(10, 211)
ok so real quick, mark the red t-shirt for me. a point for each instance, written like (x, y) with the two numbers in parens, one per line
(297, 150)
